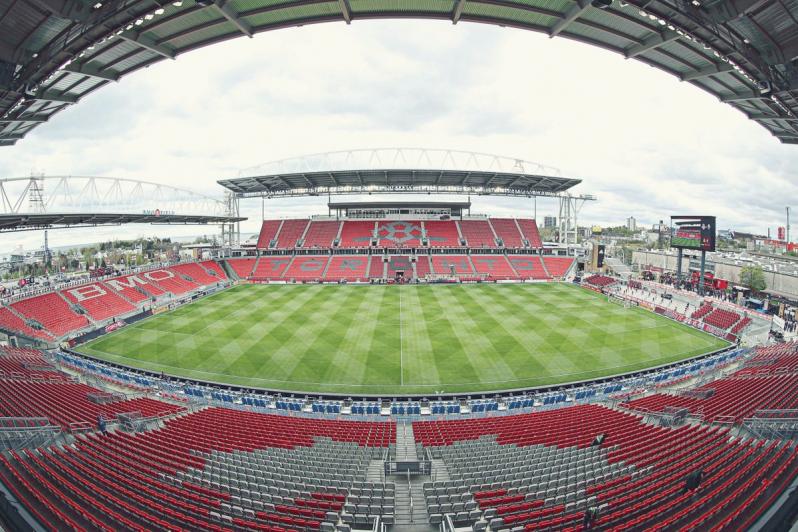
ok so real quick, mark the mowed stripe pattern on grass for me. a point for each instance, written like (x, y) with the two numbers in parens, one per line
(451, 338)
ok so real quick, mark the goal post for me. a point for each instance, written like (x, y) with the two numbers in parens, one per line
(625, 303)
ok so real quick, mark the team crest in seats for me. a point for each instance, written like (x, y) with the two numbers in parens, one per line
(399, 232)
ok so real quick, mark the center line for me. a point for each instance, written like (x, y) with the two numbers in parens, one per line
(401, 351)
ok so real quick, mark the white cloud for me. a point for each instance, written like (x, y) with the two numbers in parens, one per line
(644, 143)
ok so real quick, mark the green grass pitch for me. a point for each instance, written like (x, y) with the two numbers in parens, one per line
(402, 339)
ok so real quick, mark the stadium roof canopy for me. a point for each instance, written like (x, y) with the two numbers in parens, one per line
(30, 222)
(55, 52)
(343, 205)
(398, 181)
(400, 171)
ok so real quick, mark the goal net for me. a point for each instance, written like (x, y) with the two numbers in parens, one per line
(625, 303)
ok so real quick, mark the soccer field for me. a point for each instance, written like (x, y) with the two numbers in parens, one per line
(401, 339)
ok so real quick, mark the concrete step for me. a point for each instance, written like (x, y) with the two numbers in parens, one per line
(375, 471)
(419, 527)
(405, 443)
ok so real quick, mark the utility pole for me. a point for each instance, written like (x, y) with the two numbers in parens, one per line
(788, 224)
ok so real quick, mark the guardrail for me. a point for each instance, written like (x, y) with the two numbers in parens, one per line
(416, 467)
(78, 427)
(773, 424)
(27, 432)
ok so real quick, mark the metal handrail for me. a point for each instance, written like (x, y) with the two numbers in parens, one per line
(447, 525)
(410, 494)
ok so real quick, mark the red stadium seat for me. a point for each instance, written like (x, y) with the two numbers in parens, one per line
(445, 264)
(244, 267)
(347, 267)
(52, 312)
(558, 266)
(442, 234)
(306, 268)
(321, 234)
(268, 232)
(357, 234)
(529, 230)
(508, 231)
(291, 232)
(477, 233)
(98, 300)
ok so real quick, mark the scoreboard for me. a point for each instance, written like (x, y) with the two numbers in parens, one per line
(693, 232)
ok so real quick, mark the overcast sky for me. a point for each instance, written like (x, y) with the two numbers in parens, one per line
(644, 143)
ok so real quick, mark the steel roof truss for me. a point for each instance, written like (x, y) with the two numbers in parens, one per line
(223, 6)
(650, 43)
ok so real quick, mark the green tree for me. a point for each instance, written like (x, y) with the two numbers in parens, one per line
(753, 277)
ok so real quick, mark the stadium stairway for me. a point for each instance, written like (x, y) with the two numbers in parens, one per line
(228, 270)
(543, 263)
(411, 511)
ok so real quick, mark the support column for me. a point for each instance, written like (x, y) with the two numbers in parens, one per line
(703, 267)
(678, 265)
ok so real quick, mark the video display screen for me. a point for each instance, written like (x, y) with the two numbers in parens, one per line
(693, 232)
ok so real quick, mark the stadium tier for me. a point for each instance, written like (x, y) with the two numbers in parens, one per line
(741, 325)
(352, 234)
(54, 315)
(546, 470)
(212, 469)
(557, 466)
(766, 382)
(729, 400)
